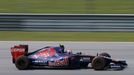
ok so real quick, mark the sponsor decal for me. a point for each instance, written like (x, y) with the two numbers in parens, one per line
(45, 53)
(17, 50)
(39, 61)
(59, 62)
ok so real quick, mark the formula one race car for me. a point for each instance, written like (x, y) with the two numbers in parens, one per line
(56, 57)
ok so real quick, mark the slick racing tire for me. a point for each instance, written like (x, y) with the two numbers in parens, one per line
(105, 54)
(22, 63)
(98, 63)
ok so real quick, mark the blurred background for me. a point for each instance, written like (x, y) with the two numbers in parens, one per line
(67, 20)
(67, 6)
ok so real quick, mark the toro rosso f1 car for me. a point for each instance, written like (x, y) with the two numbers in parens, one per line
(56, 57)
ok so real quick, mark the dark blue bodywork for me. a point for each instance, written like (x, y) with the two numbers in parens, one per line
(55, 57)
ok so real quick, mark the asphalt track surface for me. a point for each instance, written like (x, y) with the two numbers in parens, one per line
(118, 50)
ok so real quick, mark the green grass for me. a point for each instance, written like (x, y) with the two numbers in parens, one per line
(67, 6)
(66, 36)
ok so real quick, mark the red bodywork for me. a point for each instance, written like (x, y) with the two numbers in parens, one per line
(46, 52)
(18, 50)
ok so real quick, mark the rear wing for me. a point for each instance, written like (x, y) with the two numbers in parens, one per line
(18, 50)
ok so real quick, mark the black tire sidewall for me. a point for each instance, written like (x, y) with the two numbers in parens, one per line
(98, 63)
(105, 54)
(22, 63)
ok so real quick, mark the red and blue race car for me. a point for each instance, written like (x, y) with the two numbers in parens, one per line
(56, 57)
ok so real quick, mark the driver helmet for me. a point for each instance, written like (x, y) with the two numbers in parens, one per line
(69, 51)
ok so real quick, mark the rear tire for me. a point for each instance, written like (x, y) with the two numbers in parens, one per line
(22, 63)
(98, 63)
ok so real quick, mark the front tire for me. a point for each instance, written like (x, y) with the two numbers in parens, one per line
(22, 63)
(105, 54)
(98, 63)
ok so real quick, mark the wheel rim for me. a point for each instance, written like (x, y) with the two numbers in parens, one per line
(98, 63)
(22, 63)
